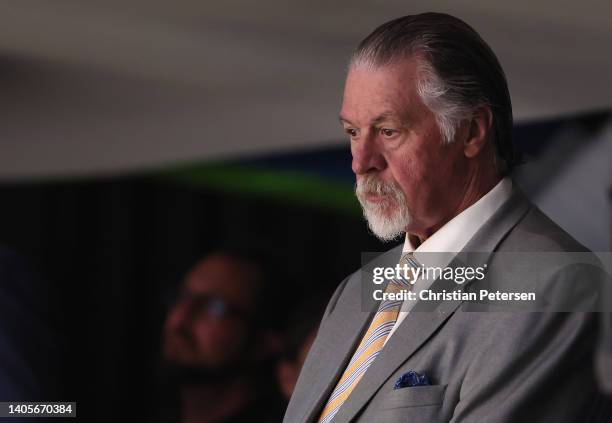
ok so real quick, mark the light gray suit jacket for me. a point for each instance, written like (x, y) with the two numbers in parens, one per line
(483, 366)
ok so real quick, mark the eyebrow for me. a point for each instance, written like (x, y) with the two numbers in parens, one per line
(378, 119)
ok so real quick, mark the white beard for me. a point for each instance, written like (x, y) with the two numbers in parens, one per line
(388, 219)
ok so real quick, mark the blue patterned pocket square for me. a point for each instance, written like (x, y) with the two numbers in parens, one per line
(410, 379)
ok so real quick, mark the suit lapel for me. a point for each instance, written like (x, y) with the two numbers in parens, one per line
(426, 317)
(340, 336)
(333, 352)
(409, 336)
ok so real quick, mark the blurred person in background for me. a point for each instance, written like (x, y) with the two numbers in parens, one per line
(217, 342)
(298, 336)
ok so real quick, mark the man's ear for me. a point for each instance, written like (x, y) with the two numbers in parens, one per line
(478, 131)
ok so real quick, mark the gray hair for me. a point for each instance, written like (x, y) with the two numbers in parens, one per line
(457, 74)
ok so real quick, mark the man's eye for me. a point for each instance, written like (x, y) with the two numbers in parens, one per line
(352, 132)
(388, 132)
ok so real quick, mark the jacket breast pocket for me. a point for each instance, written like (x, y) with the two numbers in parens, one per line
(415, 396)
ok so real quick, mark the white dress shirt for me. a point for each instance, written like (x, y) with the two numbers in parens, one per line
(452, 238)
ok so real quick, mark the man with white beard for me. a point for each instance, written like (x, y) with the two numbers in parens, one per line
(428, 115)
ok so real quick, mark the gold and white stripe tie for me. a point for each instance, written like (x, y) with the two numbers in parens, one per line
(370, 346)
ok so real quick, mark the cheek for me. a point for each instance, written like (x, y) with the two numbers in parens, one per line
(420, 173)
(216, 333)
(407, 172)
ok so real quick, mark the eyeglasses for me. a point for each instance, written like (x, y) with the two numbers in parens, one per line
(211, 305)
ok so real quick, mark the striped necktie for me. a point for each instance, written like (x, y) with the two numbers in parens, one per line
(370, 346)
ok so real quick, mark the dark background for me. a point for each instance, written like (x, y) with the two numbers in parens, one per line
(114, 249)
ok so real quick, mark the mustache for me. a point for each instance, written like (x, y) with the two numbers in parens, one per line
(370, 184)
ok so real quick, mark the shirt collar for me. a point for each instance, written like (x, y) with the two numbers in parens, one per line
(456, 233)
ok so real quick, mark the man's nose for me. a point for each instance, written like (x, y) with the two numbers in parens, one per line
(178, 316)
(366, 156)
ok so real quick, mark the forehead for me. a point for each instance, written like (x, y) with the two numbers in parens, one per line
(223, 276)
(389, 90)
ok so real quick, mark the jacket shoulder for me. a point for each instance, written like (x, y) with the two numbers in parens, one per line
(538, 232)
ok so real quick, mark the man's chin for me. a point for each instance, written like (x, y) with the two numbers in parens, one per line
(386, 219)
(194, 374)
(386, 229)
(387, 236)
